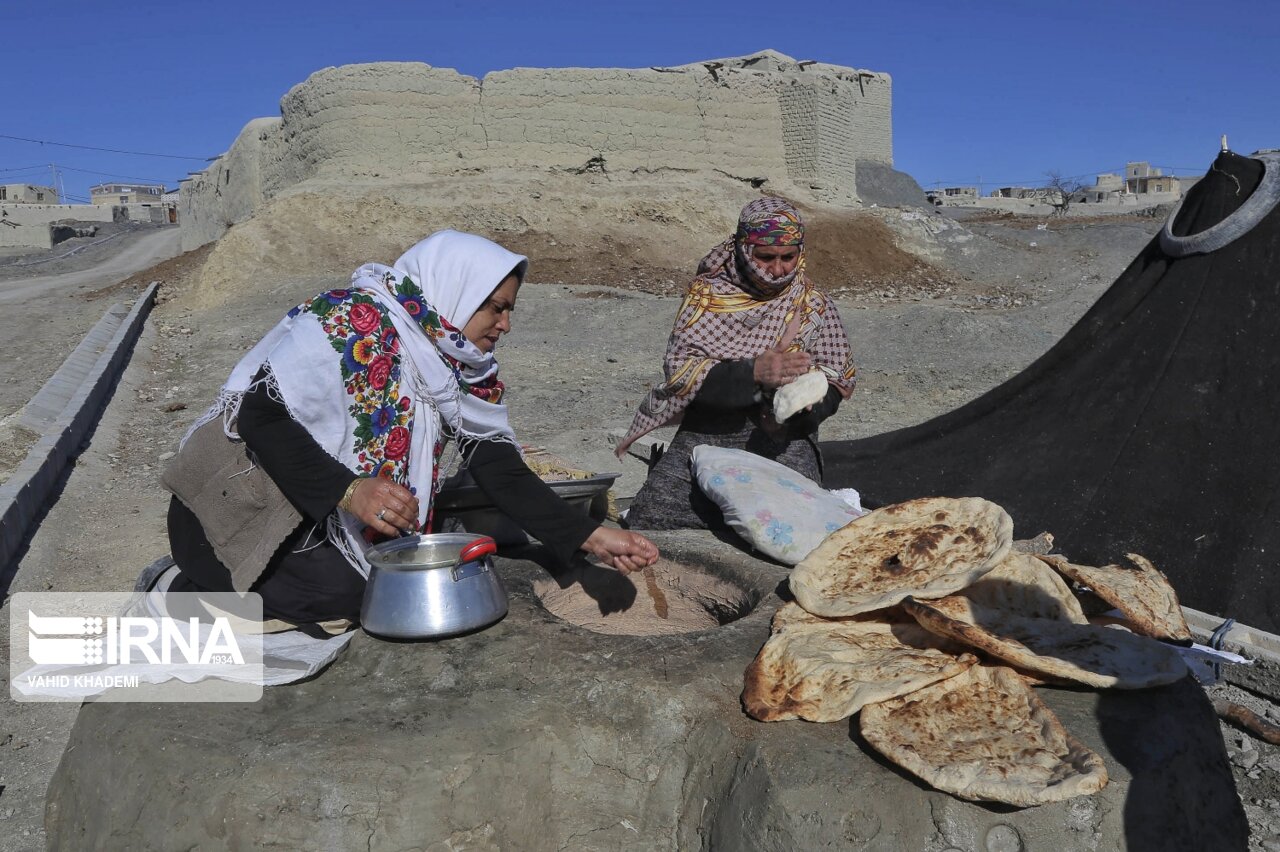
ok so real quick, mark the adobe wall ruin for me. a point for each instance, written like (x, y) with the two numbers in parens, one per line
(28, 225)
(766, 119)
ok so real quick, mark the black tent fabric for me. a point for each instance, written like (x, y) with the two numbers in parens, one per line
(1150, 428)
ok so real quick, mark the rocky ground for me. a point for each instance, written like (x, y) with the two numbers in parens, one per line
(1255, 763)
(937, 312)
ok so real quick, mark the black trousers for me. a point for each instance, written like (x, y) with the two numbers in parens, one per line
(307, 580)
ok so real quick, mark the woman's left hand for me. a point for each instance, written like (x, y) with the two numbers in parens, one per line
(621, 550)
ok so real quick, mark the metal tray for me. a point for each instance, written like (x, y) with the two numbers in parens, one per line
(467, 507)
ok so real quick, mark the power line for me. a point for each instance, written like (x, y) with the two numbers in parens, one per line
(109, 174)
(1041, 179)
(1025, 182)
(108, 150)
(18, 176)
(26, 168)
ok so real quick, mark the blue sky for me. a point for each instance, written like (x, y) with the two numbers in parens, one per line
(997, 91)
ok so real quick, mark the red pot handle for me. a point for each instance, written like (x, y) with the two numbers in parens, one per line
(478, 549)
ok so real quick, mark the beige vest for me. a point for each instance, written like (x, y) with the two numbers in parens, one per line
(244, 515)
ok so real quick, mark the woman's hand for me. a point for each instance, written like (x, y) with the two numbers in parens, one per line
(773, 369)
(383, 505)
(622, 550)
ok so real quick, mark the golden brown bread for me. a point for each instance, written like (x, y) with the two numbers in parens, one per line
(1023, 585)
(984, 735)
(825, 670)
(926, 548)
(1096, 656)
(1142, 593)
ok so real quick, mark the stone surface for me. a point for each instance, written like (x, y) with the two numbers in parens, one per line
(1261, 677)
(881, 184)
(535, 734)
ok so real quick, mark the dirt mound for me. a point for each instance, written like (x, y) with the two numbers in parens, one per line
(851, 253)
(848, 252)
(571, 239)
(174, 275)
(634, 232)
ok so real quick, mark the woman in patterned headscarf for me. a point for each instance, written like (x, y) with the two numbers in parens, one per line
(750, 323)
(329, 435)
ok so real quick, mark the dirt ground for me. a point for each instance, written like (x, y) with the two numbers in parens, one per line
(67, 310)
(74, 254)
(937, 311)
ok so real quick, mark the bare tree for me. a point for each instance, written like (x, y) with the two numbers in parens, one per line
(1061, 191)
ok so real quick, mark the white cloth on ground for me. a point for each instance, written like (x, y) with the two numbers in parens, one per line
(286, 657)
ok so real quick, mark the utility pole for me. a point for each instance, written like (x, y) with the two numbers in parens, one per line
(57, 194)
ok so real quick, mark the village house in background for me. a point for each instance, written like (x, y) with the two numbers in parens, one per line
(31, 217)
(1105, 186)
(952, 195)
(1141, 186)
(145, 194)
(27, 193)
(152, 202)
(1142, 179)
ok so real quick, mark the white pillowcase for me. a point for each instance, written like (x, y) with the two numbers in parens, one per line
(780, 512)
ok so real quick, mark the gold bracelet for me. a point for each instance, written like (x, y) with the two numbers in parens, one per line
(345, 502)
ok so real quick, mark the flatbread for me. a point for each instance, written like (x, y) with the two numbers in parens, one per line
(792, 614)
(799, 394)
(1023, 585)
(984, 736)
(1033, 679)
(1142, 593)
(824, 672)
(1096, 656)
(926, 548)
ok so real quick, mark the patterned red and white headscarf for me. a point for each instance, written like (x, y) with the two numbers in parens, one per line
(378, 372)
(734, 310)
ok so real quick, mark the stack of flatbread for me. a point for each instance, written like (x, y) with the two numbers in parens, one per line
(927, 620)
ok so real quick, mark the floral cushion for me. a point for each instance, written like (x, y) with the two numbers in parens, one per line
(780, 512)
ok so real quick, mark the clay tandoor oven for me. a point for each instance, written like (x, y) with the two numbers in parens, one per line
(586, 719)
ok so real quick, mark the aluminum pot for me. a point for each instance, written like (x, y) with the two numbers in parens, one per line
(429, 586)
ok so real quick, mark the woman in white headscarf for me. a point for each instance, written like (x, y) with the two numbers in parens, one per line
(340, 417)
